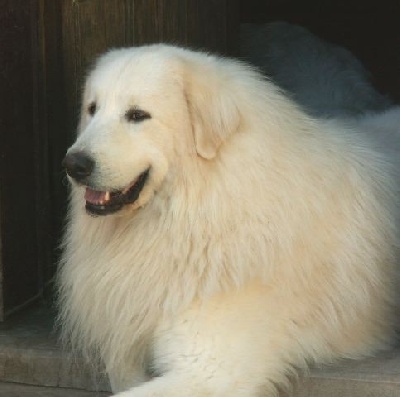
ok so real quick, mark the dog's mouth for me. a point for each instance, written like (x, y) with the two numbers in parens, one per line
(109, 202)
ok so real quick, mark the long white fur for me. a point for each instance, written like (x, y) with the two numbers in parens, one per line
(263, 240)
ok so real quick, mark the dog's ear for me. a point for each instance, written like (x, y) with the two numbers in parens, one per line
(213, 110)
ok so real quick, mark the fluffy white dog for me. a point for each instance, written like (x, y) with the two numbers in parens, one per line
(328, 80)
(234, 238)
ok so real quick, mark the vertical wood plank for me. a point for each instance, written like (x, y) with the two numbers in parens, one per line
(211, 25)
(19, 98)
(52, 137)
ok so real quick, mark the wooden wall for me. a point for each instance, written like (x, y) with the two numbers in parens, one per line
(20, 165)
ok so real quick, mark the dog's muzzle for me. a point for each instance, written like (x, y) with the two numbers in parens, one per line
(80, 166)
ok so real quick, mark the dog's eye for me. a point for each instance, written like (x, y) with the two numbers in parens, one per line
(92, 108)
(136, 115)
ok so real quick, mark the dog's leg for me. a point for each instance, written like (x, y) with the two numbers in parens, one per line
(227, 346)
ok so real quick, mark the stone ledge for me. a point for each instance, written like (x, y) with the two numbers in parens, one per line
(31, 355)
(32, 363)
(371, 377)
(17, 390)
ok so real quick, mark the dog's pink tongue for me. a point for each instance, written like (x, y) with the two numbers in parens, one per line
(94, 196)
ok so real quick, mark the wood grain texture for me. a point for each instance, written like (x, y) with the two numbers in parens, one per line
(212, 25)
(18, 154)
(50, 133)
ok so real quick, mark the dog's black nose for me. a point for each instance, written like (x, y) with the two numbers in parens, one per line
(79, 165)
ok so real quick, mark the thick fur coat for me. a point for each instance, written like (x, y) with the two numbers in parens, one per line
(261, 240)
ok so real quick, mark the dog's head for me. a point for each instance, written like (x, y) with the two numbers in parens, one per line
(144, 112)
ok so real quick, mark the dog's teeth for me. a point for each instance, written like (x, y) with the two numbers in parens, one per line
(104, 199)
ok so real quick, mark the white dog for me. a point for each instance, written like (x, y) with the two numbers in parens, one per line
(328, 80)
(235, 239)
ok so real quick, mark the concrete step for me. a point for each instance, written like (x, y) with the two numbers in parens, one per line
(17, 390)
(373, 377)
(31, 355)
(33, 364)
